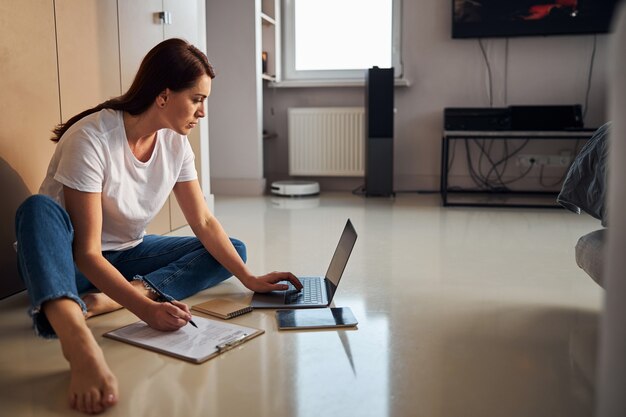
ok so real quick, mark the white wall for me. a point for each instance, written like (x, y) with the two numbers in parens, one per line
(447, 72)
(234, 104)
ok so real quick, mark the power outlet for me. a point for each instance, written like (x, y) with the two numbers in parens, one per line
(562, 160)
(528, 160)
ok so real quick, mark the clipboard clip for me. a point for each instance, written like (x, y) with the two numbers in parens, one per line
(230, 343)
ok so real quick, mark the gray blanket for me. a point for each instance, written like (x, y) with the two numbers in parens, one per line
(584, 188)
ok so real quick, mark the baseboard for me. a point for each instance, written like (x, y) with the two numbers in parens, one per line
(401, 183)
(415, 182)
(238, 186)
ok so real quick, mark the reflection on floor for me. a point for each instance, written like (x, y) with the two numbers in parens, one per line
(462, 312)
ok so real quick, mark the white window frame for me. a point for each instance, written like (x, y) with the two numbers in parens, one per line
(289, 67)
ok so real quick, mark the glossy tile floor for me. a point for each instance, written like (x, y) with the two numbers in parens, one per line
(462, 312)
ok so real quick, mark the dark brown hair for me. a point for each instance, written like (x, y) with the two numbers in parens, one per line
(173, 63)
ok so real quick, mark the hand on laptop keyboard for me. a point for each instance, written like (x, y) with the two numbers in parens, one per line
(312, 293)
(292, 289)
(274, 281)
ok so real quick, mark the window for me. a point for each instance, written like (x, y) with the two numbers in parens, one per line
(339, 39)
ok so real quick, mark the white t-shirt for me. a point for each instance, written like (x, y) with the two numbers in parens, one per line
(94, 156)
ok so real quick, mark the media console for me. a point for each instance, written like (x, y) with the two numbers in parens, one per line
(447, 191)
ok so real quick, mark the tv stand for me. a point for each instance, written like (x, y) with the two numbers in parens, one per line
(477, 197)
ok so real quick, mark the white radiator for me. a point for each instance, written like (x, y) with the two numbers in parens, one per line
(326, 141)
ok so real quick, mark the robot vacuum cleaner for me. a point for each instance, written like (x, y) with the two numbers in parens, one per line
(295, 188)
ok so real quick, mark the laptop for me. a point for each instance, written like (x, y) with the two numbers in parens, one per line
(317, 291)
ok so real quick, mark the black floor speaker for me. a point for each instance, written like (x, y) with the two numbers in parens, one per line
(379, 132)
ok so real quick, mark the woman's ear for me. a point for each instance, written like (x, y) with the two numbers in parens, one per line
(162, 98)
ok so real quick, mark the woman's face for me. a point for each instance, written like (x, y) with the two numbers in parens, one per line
(183, 109)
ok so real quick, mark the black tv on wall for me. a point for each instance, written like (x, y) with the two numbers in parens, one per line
(508, 18)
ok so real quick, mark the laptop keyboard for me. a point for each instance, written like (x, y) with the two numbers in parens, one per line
(311, 292)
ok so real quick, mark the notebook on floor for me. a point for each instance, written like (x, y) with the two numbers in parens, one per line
(318, 291)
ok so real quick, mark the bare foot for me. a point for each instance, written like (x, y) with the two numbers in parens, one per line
(100, 303)
(93, 387)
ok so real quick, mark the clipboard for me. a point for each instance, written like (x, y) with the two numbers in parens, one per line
(210, 339)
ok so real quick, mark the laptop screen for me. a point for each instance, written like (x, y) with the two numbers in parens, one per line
(340, 258)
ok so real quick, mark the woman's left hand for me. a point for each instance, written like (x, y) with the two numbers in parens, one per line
(269, 282)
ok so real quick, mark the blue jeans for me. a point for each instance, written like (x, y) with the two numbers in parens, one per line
(178, 266)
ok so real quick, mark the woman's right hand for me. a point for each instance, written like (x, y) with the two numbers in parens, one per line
(168, 316)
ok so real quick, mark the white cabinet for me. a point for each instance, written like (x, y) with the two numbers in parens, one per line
(29, 109)
(88, 53)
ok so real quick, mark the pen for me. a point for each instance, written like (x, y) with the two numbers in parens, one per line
(163, 296)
